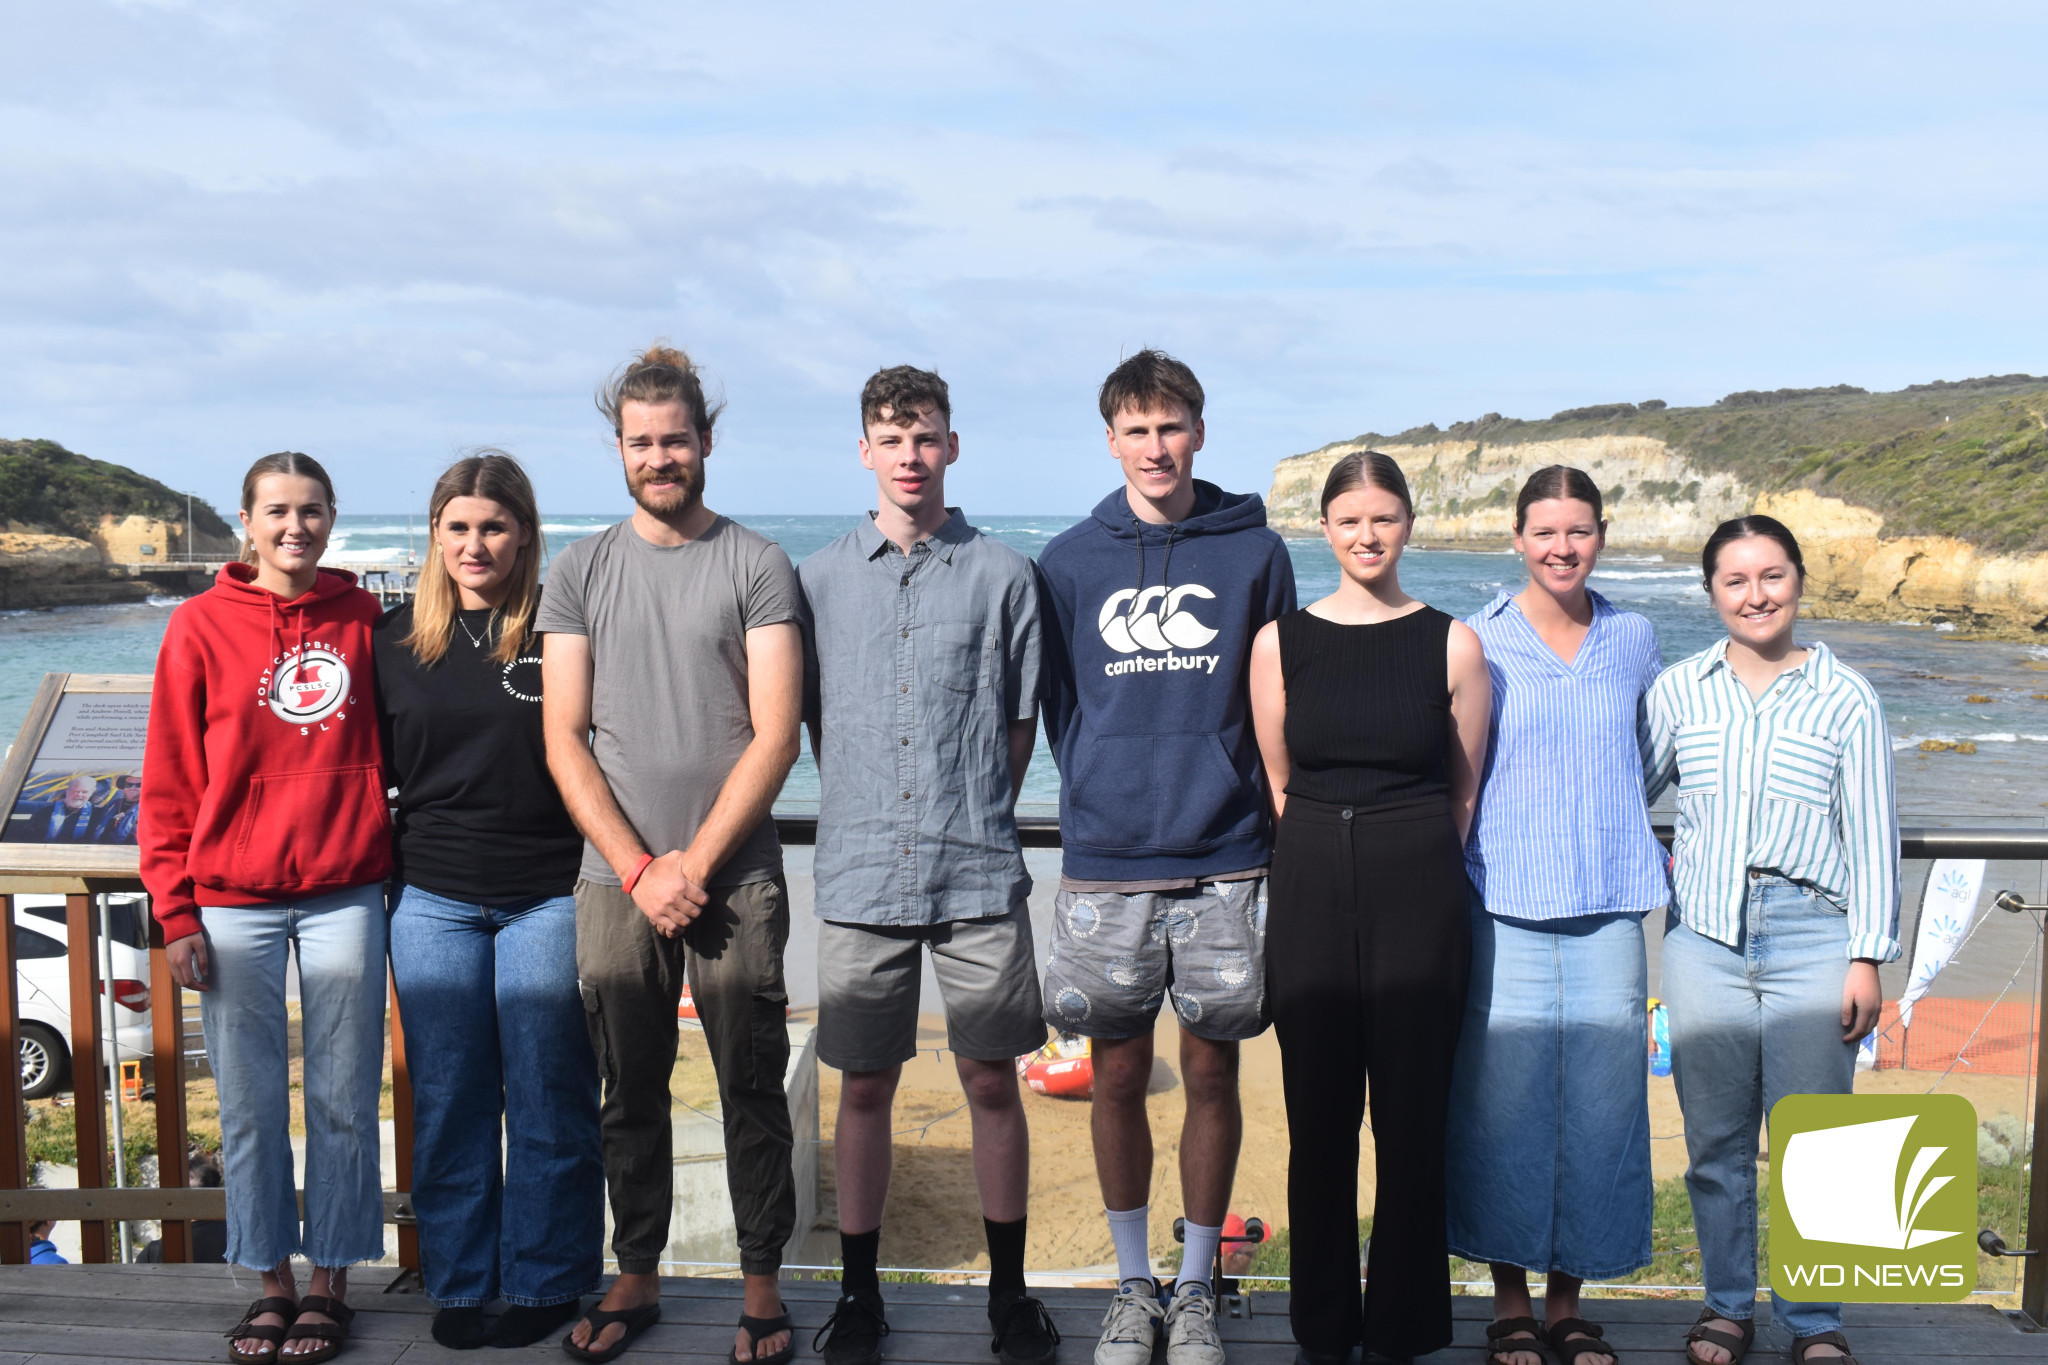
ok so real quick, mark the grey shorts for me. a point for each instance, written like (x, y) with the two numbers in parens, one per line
(868, 978)
(1116, 955)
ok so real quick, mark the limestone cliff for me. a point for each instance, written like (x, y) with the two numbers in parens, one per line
(1668, 486)
(39, 570)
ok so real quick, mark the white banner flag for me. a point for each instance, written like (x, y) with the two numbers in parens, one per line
(1946, 909)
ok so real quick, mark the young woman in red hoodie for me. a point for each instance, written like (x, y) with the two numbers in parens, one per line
(264, 829)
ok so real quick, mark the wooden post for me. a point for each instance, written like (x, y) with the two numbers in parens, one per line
(167, 1028)
(401, 1133)
(88, 1068)
(2034, 1288)
(13, 1137)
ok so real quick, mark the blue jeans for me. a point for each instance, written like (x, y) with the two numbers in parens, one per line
(1749, 1025)
(1549, 1141)
(496, 1041)
(340, 942)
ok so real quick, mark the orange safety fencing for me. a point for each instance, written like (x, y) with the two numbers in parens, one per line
(1976, 1036)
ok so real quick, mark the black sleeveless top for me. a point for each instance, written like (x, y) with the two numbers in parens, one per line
(1368, 708)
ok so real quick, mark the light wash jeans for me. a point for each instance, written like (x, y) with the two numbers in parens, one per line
(1549, 1142)
(496, 1041)
(340, 942)
(1750, 1025)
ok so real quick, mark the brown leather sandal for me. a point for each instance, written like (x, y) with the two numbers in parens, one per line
(1801, 1345)
(1589, 1342)
(246, 1330)
(331, 1335)
(1736, 1346)
(1513, 1336)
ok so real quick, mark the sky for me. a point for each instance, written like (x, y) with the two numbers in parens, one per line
(383, 233)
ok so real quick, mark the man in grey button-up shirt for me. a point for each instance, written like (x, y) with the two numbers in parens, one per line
(922, 662)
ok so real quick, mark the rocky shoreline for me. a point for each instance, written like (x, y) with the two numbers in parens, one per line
(1661, 502)
(40, 571)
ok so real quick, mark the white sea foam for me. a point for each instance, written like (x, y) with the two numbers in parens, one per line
(1675, 574)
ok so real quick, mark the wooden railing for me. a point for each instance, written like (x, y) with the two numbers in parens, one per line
(96, 1207)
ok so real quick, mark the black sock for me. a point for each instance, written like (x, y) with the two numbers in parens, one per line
(859, 1253)
(524, 1324)
(459, 1329)
(1005, 1257)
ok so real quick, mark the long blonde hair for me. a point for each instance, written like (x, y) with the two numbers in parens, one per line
(495, 476)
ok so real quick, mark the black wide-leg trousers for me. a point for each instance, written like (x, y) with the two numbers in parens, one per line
(1367, 948)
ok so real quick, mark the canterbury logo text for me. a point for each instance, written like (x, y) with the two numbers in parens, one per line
(1136, 620)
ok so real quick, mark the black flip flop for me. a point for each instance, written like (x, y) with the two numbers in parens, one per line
(636, 1320)
(757, 1328)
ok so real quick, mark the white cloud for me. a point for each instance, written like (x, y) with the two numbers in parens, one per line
(386, 231)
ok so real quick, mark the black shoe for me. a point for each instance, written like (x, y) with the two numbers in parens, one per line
(1024, 1331)
(524, 1324)
(853, 1334)
(460, 1329)
(1304, 1356)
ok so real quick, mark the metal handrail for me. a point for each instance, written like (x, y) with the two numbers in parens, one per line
(1915, 841)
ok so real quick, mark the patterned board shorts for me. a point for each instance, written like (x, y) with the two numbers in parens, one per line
(1116, 955)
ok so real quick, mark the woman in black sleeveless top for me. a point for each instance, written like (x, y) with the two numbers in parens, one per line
(1372, 713)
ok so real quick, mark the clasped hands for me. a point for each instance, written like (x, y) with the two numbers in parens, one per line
(671, 893)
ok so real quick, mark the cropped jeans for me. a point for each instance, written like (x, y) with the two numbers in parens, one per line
(499, 1053)
(340, 942)
(1751, 1024)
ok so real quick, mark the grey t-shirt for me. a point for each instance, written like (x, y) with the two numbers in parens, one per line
(668, 644)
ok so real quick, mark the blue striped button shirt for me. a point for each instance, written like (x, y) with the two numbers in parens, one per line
(1799, 783)
(1562, 828)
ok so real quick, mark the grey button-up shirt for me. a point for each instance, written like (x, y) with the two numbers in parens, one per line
(914, 666)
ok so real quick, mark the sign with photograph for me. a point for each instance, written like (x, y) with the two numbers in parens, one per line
(84, 785)
(71, 786)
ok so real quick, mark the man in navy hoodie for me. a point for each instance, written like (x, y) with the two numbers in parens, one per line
(1150, 607)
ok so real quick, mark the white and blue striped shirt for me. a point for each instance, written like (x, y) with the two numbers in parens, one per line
(1562, 828)
(1799, 783)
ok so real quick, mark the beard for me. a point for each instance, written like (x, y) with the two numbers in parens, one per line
(683, 497)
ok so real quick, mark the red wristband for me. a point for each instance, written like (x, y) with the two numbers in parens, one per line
(632, 879)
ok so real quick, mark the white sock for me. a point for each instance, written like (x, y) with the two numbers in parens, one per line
(1131, 1229)
(1200, 1256)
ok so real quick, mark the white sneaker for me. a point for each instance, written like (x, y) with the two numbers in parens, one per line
(1130, 1327)
(1191, 1337)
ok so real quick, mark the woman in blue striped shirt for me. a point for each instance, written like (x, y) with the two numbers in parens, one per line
(1549, 1148)
(1786, 898)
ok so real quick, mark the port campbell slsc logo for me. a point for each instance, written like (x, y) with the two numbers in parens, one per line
(307, 687)
(1153, 625)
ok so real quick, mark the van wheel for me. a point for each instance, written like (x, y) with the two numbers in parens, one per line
(45, 1065)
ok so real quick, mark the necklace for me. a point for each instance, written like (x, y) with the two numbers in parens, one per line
(472, 634)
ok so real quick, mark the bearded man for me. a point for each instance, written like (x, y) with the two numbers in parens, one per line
(672, 676)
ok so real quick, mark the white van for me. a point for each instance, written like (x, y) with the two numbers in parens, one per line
(43, 982)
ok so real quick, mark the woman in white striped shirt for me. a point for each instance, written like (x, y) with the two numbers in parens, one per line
(1785, 872)
(1549, 1144)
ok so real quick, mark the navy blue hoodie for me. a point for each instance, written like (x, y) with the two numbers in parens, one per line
(1148, 711)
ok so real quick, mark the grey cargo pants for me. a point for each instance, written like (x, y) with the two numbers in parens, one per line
(631, 978)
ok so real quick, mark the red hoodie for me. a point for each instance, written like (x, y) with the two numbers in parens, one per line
(265, 776)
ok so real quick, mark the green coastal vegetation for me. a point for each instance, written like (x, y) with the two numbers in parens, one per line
(1967, 459)
(48, 488)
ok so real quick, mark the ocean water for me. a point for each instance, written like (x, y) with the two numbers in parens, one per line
(1924, 675)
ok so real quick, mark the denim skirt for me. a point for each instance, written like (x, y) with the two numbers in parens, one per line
(1549, 1143)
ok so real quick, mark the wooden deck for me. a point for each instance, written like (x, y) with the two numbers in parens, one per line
(65, 1315)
